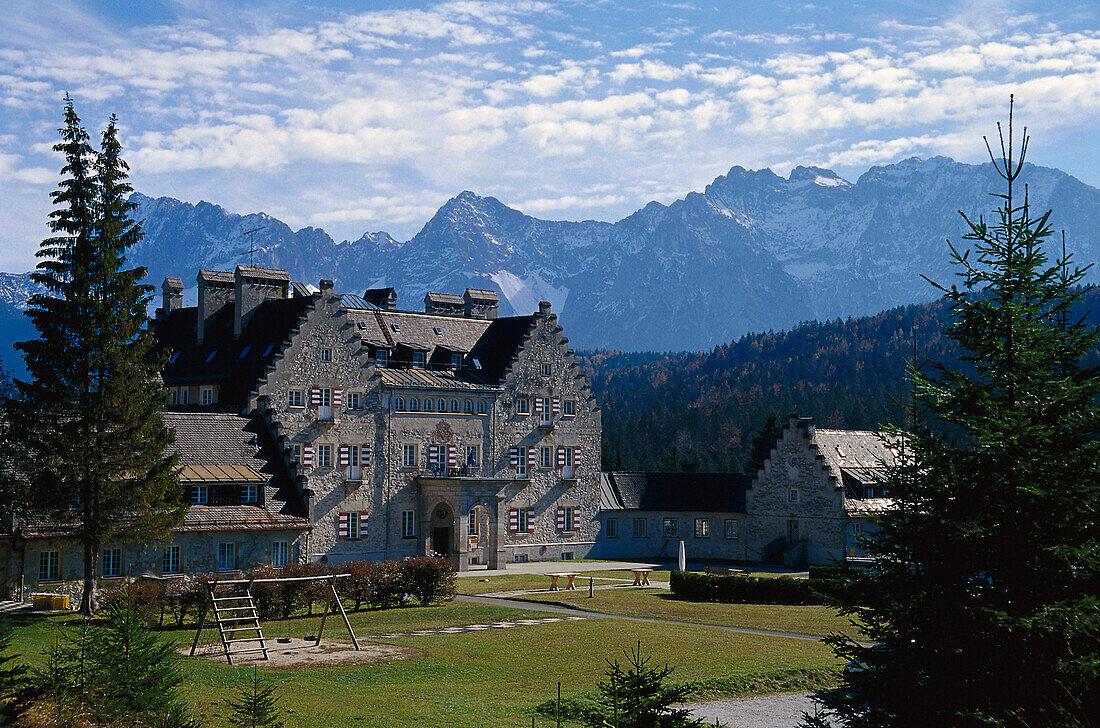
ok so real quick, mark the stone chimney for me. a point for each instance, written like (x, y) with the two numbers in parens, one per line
(326, 287)
(215, 291)
(544, 308)
(480, 303)
(251, 287)
(172, 296)
(383, 298)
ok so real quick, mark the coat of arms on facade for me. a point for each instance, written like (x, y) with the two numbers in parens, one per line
(443, 431)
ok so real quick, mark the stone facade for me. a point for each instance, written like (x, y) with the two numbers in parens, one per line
(433, 406)
(810, 501)
(722, 537)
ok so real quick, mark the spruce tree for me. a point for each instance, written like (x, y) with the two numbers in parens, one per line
(13, 679)
(984, 601)
(256, 704)
(89, 427)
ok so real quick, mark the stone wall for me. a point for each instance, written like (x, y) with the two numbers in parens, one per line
(656, 545)
(544, 489)
(198, 555)
(818, 511)
(329, 491)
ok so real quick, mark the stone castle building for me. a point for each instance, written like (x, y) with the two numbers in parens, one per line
(449, 430)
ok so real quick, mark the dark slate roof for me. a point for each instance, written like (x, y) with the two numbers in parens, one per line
(267, 274)
(481, 294)
(217, 439)
(233, 364)
(213, 438)
(499, 344)
(679, 492)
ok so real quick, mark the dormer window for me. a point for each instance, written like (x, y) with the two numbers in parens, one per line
(396, 327)
(456, 361)
(438, 331)
(546, 369)
(326, 354)
(382, 357)
(418, 359)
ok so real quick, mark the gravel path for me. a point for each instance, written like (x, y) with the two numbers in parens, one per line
(772, 711)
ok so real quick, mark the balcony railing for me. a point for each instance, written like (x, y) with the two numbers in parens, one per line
(463, 471)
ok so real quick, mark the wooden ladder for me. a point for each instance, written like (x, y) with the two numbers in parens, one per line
(234, 615)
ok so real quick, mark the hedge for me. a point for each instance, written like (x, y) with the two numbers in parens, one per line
(377, 584)
(742, 589)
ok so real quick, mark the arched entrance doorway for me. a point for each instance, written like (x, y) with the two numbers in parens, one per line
(443, 530)
(481, 538)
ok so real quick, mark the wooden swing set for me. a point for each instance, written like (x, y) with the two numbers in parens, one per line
(235, 614)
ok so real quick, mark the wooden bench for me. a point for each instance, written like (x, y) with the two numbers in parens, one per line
(641, 577)
(724, 572)
(570, 577)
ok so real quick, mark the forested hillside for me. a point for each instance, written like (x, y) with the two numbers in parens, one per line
(700, 411)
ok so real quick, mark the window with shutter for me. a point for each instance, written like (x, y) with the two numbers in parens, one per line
(560, 519)
(342, 526)
(513, 520)
(530, 520)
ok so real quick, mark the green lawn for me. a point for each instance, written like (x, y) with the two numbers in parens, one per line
(477, 679)
(660, 604)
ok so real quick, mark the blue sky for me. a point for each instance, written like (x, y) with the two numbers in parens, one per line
(368, 116)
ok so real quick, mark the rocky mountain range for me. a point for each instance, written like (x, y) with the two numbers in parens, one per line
(754, 251)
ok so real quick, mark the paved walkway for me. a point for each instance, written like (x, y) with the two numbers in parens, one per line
(770, 711)
(475, 627)
(539, 606)
(547, 567)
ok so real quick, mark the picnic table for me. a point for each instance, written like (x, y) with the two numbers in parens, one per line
(641, 577)
(569, 575)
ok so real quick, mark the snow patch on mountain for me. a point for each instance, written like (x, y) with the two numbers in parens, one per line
(523, 294)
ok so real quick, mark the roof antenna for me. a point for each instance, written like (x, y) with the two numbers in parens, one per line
(251, 235)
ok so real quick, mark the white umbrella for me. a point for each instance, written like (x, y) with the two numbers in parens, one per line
(683, 558)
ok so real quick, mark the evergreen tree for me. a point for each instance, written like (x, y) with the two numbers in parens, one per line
(984, 603)
(89, 426)
(256, 705)
(13, 679)
(636, 696)
(132, 673)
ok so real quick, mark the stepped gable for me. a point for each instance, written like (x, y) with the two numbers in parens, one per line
(673, 492)
(235, 364)
(233, 450)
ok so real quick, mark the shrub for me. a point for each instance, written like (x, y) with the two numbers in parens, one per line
(357, 586)
(742, 589)
(385, 585)
(429, 578)
(145, 597)
(265, 595)
(187, 596)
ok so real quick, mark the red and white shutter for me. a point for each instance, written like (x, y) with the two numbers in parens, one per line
(576, 517)
(364, 456)
(557, 405)
(362, 516)
(452, 456)
(345, 456)
(433, 454)
(530, 520)
(315, 397)
(576, 457)
(532, 457)
(561, 519)
(513, 456)
(538, 405)
(513, 520)
(307, 456)
(342, 525)
(337, 397)
(563, 454)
